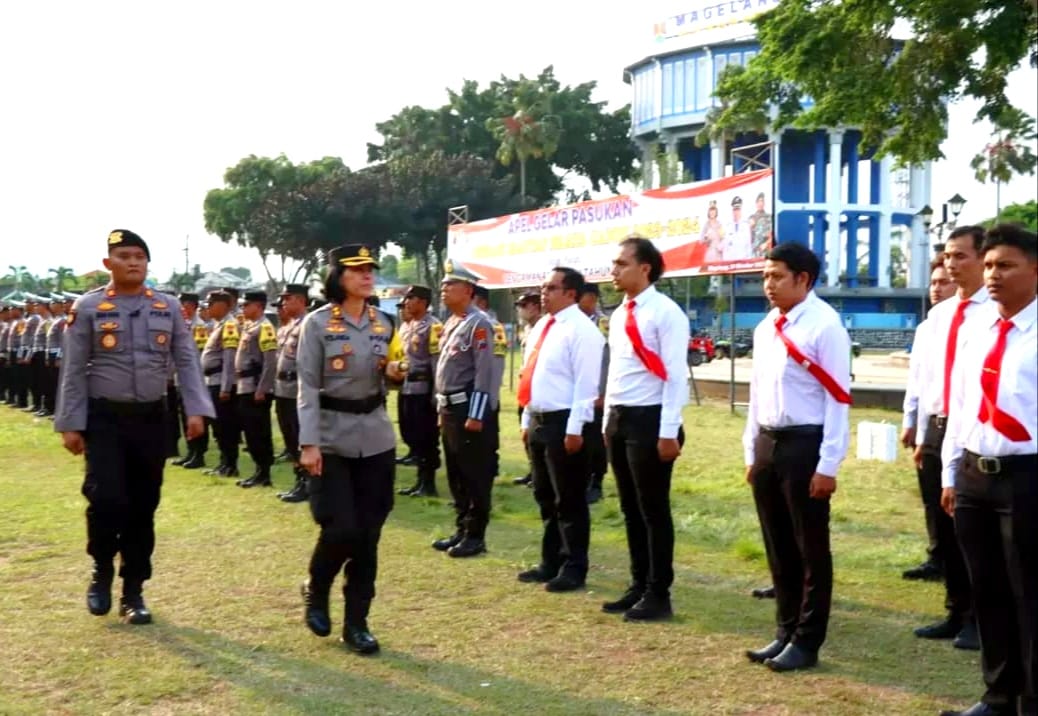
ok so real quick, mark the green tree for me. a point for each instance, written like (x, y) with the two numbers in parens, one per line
(592, 142)
(530, 132)
(62, 275)
(1025, 214)
(1009, 154)
(388, 268)
(841, 55)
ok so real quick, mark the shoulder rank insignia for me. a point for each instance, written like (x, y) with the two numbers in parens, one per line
(106, 306)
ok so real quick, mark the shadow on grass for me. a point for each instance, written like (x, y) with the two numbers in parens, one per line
(336, 681)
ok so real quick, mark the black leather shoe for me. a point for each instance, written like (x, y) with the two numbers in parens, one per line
(772, 650)
(947, 629)
(650, 608)
(299, 493)
(632, 596)
(792, 658)
(524, 480)
(99, 593)
(216, 471)
(194, 461)
(181, 460)
(425, 489)
(564, 583)
(229, 471)
(537, 575)
(979, 709)
(468, 547)
(315, 610)
(358, 639)
(594, 494)
(408, 490)
(968, 638)
(133, 610)
(927, 572)
(283, 456)
(444, 544)
(763, 593)
(260, 479)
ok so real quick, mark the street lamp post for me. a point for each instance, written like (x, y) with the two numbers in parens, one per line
(954, 204)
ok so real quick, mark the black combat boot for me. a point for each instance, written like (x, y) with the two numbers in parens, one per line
(426, 486)
(195, 459)
(132, 607)
(181, 460)
(355, 633)
(260, 478)
(301, 491)
(99, 593)
(315, 607)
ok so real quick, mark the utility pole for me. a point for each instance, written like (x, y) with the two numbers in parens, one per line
(187, 251)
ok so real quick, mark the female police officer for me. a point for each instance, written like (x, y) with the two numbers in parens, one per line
(348, 444)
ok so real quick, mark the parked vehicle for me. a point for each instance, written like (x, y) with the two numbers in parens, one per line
(723, 349)
(700, 349)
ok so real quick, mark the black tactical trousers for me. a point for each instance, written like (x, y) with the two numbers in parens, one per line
(594, 443)
(125, 453)
(197, 445)
(20, 377)
(50, 393)
(226, 428)
(255, 423)
(172, 427)
(469, 456)
(350, 502)
(288, 423)
(37, 366)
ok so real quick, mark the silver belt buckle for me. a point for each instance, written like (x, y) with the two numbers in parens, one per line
(941, 421)
(441, 400)
(989, 465)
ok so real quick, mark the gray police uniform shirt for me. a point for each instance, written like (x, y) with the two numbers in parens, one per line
(466, 363)
(39, 339)
(601, 320)
(286, 384)
(218, 354)
(15, 338)
(118, 347)
(32, 325)
(255, 363)
(343, 357)
(54, 336)
(421, 341)
(5, 332)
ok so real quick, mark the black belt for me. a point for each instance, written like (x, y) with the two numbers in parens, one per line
(419, 377)
(248, 372)
(118, 407)
(551, 416)
(212, 371)
(634, 409)
(356, 407)
(287, 375)
(792, 431)
(999, 466)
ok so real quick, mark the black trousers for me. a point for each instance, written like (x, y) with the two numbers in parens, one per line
(255, 423)
(172, 427)
(643, 484)
(492, 423)
(796, 535)
(418, 424)
(995, 520)
(226, 427)
(559, 487)
(21, 377)
(37, 368)
(594, 443)
(125, 453)
(469, 456)
(288, 422)
(350, 502)
(50, 392)
(945, 550)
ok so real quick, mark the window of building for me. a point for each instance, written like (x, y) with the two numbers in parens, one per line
(679, 87)
(690, 85)
(720, 62)
(704, 87)
(668, 89)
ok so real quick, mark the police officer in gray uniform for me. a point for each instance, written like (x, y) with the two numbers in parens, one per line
(59, 305)
(194, 457)
(5, 331)
(38, 357)
(420, 336)
(17, 355)
(465, 392)
(31, 360)
(348, 442)
(482, 301)
(119, 341)
(593, 438)
(218, 369)
(286, 384)
(255, 366)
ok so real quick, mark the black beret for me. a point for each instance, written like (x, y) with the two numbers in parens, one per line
(189, 298)
(124, 237)
(296, 289)
(257, 296)
(416, 291)
(220, 297)
(351, 255)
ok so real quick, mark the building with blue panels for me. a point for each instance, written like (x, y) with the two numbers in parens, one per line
(847, 205)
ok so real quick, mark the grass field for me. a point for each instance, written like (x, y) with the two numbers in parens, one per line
(459, 636)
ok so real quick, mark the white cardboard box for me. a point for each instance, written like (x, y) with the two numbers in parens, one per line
(877, 441)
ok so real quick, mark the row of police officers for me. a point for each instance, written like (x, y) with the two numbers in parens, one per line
(31, 331)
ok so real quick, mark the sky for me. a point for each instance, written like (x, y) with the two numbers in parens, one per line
(124, 114)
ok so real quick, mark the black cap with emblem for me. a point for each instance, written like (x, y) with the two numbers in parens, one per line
(482, 292)
(297, 289)
(528, 297)
(220, 296)
(121, 238)
(351, 256)
(416, 291)
(190, 298)
(256, 297)
(737, 202)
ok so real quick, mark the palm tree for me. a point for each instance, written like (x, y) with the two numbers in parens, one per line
(531, 132)
(61, 274)
(17, 272)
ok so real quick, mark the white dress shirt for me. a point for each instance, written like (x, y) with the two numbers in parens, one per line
(1017, 390)
(664, 330)
(783, 393)
(568, 368)
(738, 242)
(913, 415)
(931, 396)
